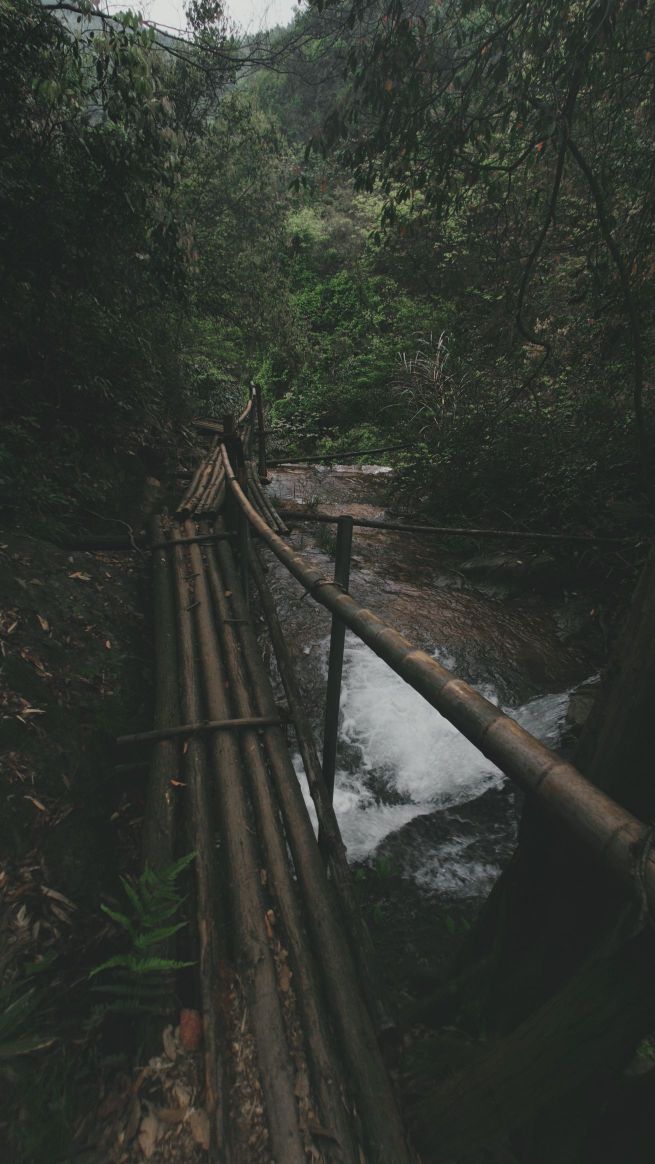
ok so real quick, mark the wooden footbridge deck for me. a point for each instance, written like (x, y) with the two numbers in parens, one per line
(284, 960)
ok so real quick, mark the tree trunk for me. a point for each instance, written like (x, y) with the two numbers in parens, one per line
(544, 965)
(552, 903)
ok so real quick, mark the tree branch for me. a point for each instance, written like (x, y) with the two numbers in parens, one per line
(631, 311)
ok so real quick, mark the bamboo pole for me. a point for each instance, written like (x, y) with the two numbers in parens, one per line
(316, 1026)
(359, 938)
(205, 726)
(160, 809)
(213, 426)
(206, 472)
(256, 501)
(246, 412)
(335, 664)
(212, 494)
(448, 531)
(605, 829)
(265, 506)
(243, 529)
(248, 908)
(366, 1072)
(158, 833)
(198, 808)
(261, 435)
(193, 484)
(212, 481)
(165, 545)
(337, 456)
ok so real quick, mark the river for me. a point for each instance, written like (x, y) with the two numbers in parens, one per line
(410, 790)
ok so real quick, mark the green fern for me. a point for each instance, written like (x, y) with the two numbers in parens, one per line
(138, 980)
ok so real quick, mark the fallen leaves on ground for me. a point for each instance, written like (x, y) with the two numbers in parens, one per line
(158, 1115)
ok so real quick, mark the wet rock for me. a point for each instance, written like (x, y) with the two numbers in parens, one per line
(580, 704)
(513, 572)
(493, 565)
(455, 853)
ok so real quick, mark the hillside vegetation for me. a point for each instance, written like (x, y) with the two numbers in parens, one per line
(426, 223)
(425, 220)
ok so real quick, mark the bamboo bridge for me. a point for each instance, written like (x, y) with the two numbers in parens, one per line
(285, 963)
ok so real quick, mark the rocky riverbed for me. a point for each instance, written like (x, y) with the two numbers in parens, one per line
(427, 820)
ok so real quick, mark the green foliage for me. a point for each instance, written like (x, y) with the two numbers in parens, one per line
(234, 193)
(117, 231)
(43, 1079)
(456, 925)
(139, 977)
(152, 257)
(47, 1096)
(352, 324)
(92, 254)
(24, 1021)
(509, 144)
(384, 867)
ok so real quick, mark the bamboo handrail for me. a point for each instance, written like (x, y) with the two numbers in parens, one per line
(606, 829)
(352, 455)
(448, 531)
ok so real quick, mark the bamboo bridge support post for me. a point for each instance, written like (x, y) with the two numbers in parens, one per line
(236, 518)
(335, 666)
(244, 538)
(261, 434)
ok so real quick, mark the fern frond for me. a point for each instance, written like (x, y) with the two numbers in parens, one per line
(137, 978)
(121, 919)
(155, 936)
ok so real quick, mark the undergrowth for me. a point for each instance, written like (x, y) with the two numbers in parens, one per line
(137, 980)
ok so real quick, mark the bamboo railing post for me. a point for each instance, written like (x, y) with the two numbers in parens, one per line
(335, 666)
(261, 434)
(236, 518)
(244, 538)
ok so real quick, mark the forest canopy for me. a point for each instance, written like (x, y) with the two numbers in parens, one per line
(432, 217)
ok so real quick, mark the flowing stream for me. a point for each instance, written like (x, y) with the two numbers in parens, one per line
(410, 790)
